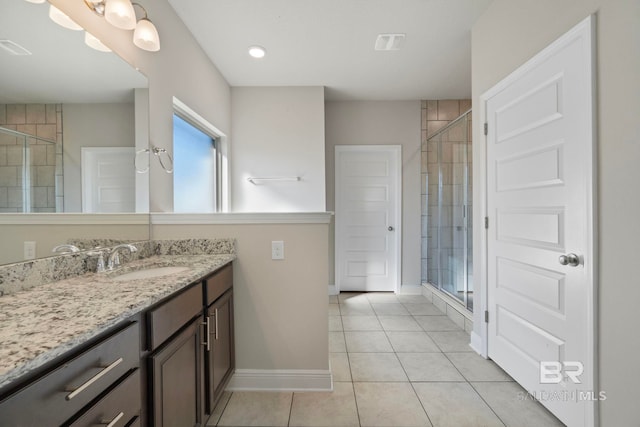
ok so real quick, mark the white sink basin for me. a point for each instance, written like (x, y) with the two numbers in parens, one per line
(150, 273)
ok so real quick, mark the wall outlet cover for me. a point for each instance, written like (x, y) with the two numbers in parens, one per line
(277, 249)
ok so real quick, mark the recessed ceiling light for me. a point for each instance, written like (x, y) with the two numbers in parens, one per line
(257, 51)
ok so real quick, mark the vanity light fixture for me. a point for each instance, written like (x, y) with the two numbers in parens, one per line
(95, 43)
(257, 52)
(62, 19)
(121, 14)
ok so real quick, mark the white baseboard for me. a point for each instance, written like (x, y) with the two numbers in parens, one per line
(281, 380)
(333, 290)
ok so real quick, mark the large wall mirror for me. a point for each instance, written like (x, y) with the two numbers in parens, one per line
(72, 119)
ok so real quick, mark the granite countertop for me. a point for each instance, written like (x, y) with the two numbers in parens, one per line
(41, 323)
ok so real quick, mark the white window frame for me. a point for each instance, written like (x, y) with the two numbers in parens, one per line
(223, 192)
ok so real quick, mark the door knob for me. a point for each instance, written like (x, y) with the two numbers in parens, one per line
(570, 259)
(390, 228)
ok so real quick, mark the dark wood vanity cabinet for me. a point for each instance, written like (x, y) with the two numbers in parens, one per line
(176, 375)
(81, 386)
(220, 355)
(164, 367)
(192, 352)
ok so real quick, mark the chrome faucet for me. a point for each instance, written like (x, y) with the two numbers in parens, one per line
(65, 249)
(114, 259)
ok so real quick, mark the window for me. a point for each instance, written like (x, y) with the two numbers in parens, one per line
(195, 171)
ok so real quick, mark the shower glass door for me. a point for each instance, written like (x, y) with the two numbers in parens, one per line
(449, 210)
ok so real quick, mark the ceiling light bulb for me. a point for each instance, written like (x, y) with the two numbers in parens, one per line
(63, 20)
(146, 36)
(120, 13)
(257, 51)
(93, 42)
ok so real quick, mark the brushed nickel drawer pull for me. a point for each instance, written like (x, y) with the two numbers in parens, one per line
(114, 421)
(96, 377)
(207, 326)
(216, 314)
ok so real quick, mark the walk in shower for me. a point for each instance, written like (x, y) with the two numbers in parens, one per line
(30, 173)
(447, 210)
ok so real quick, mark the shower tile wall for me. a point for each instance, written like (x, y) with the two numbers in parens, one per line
(44, 121)
(436, 114)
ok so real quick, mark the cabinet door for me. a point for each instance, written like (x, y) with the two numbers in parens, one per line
(221, 357)
(176, 376)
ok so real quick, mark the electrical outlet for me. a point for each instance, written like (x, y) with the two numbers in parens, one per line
(277, 249)
(29, 250)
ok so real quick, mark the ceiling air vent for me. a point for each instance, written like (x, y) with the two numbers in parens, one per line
(13, 48)
(390, 41)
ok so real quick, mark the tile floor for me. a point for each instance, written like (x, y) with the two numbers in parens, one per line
(397, 361)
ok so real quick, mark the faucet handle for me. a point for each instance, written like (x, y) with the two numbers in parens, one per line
(100, 268)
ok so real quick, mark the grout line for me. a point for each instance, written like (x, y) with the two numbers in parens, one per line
(290, 409)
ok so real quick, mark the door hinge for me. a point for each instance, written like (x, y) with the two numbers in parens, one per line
(486, 222)
(486, 316)
(486, 128)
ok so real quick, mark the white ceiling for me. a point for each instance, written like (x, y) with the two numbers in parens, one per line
(62, 68)
(330, 43)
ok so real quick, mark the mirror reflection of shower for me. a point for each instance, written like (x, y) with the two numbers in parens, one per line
(447, 206)
(30, 172)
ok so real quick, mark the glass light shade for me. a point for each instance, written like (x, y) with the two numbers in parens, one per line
(93, 42)
(63, 20)
(37, 1)
(120, 13)
(146, 36)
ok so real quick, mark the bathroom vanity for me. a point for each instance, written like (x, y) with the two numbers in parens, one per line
(94, 350)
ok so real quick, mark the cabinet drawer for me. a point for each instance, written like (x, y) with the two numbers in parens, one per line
(167, 319)
(62, 392)
(117, 408)
(218, 283)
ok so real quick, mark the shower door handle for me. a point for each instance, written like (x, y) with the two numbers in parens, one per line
(390, 228)
(569, 259)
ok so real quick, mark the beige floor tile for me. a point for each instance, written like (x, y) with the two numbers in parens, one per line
(334, 310)
(389, 405)
(333, 299)
(382, 297)
(356, 309)
(453, 404)
(361, 323)
(429, 367)
(476, 368)
(423, 309)
(336, 342)
(399, 323)
(412, 342)
(413, 299)
(249, 408)
(509, 401)
(436, 323)
(376, 367)
(340, 366)
(335, 323)
(337, 408)
(219, 409)
(350, 297)
(389, 309)
(452, 341)
(367, 342)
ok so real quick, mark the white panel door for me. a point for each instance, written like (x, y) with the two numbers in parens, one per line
(539, 203)
(108, 179)
(368, 188)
